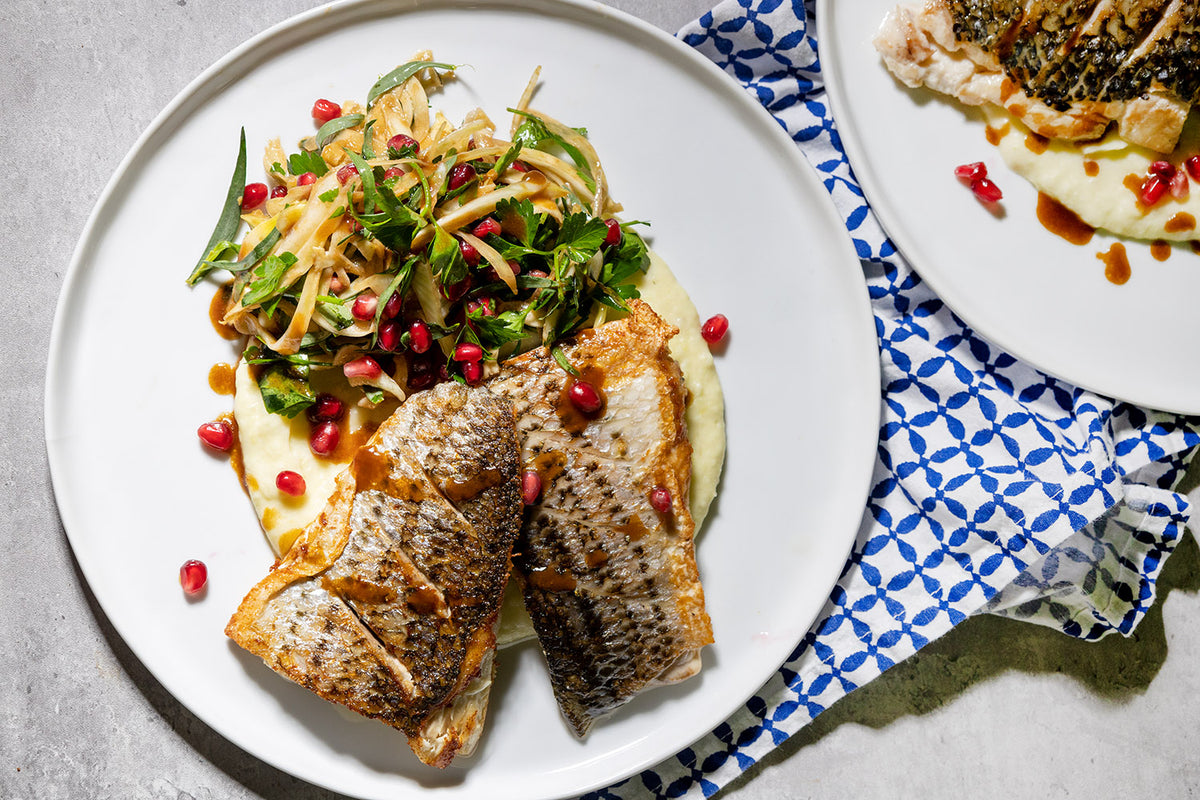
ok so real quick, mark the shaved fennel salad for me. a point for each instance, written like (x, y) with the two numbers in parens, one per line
(403, 249)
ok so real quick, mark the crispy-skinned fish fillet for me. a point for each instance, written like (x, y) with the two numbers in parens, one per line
(388, 602)
(1066, 68)
(610, 583)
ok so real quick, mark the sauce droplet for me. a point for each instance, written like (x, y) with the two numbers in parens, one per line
(1116, 263)
(1091, 168)
(1062, 221)
(1161, 250)
(1180, 222)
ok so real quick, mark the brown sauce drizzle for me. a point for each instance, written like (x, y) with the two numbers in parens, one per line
(1036, 143)
(269, 518)
(1091, 168)
(357, 590)
(573, 420)
(634, 528)
(372, 469)
(595, 558)
(288, 539)
(1179, 223)
(994, 135)
(1195, 245)
(1134, 184)
(1116, 263)
(1062, 221)
(549, 465)
(216, 312)
(457, 491)
(551, 580)
(222, 378)
(349, 443)
(423, 599)
(236, 459)
(1160, 249)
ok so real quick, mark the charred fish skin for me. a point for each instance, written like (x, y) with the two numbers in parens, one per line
(387, 603)
(610, 584)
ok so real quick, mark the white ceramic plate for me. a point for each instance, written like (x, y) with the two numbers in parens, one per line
(735, 211)
(1018, 285)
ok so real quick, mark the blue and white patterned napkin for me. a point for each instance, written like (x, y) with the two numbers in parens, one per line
(996, 488)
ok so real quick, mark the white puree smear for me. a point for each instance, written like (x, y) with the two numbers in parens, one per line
(271, 443)
(1102, 200)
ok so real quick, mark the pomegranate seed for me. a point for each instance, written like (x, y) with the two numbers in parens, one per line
(364, 306)
(531, 486)
(1163, 169)
(715, 328)
(336, 284)
(484, 306)
(986, 191)
(325, 110)
(660, 498)
(485, 226)
(401, 141)
(419, 337)
(455, 291)
(392, 172)
(324, 436)
(520, 166)
(584, 397)
(253, 195)
(217, 435)
(193, 576)
(460, 175)
(514, 266)
(306, 179)
(325, 408)
(1153, 188)
(971, 172)
(613, 235)
(389, 336)
(391, 309)
(420, 374)
(290, 482)
(467, 351)
(362, 367)
(279, 191)
(1179, 185)
(346, 172)
(469, 253)
(1192, 164)
(472, 372)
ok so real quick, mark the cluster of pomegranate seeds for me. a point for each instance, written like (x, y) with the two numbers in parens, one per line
(584, 396)
(660, 498)
(975, 175)
(324, 433)
(290, 483)
(324, 110)
(714, 328)
(193, 576)
(1163, 178)
(218, 435)
(531, 486)
(253, 195)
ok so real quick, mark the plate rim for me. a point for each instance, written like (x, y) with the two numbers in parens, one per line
(910, 250)
(80, 267)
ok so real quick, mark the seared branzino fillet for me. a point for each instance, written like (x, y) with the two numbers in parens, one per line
(610, 583)
(388, 602)
(1066, 68)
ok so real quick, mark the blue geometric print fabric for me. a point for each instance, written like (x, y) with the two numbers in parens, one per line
(997, 489)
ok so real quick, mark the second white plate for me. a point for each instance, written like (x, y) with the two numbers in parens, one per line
(1018, 285)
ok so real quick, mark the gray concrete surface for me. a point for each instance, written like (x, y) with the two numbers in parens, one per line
(997, 709)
